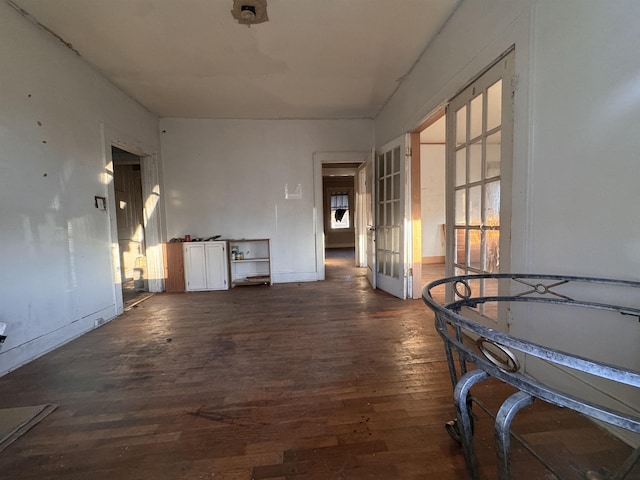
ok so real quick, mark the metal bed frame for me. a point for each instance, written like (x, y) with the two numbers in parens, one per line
(493, 356)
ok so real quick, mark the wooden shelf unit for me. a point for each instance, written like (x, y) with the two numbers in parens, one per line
(254, 268)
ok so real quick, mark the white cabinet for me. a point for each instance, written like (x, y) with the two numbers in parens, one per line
(205, 266)
(250, 262)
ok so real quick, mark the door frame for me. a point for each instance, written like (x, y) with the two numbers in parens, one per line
(319, 159)
(153, 209)
(370, 217)
(416, 197)
(360, 221)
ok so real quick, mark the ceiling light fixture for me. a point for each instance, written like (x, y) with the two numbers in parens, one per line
(249, 12)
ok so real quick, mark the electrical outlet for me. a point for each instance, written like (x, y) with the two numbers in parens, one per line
(3, 327)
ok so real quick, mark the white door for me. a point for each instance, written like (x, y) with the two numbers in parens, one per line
(390, 215)
(369, 203)
(479, 162)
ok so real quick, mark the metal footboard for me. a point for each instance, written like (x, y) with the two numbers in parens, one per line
(500, 355)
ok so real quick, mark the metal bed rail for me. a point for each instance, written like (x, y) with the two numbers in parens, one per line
(496, 354)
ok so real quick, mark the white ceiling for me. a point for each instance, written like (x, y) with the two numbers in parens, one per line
(190, 58)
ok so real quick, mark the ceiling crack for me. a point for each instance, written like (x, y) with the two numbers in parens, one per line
(33, 20)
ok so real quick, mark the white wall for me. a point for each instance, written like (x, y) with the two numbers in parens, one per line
(56, 114)
(228, 177)
(584, 171)
(432, 199)
(576, 171)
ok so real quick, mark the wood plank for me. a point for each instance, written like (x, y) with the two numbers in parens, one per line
(173, 267)
(320, 380)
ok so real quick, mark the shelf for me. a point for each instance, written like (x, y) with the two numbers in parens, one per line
(255, 267)
(257, 280)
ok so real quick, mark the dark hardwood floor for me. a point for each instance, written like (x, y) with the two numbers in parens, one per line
(324, 380)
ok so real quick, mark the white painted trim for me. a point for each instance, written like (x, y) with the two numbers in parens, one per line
(150, 172)
(153, 231)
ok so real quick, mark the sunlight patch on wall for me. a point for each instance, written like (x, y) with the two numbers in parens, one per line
(107, 175)
(151, 203)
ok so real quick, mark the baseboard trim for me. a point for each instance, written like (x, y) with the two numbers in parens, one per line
(432, 260)
(28, 351)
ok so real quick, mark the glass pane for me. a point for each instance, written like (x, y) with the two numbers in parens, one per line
(492, 218)
(492, 168)
(492, 204)
(339, 210)
(380, 166)
(396, 160)
(388, 239)
(460, 250)
(494, 105)
(459, 271)
(388, 219)
(460, 208)
(387, 263)
(474, 285)
(491, 289)
(475, 242)
(387, 214)
(395, 267)
(344, 221)
(461, 167)
(476, 117)
(475, 162)
(387, 163)
(397, 215)
(395, 246)
(396, 186)
(381, 244)
(461, 125)
(475, 205)
(492, 251)
(381, 256)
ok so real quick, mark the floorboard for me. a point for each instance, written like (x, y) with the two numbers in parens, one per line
(321, 380)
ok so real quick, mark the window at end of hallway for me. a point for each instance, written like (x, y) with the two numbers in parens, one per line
(340, 210)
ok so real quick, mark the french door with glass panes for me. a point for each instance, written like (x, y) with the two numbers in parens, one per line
(390, 241)
(479, 159)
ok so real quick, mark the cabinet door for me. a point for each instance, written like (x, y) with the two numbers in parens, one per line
(194, 267)
(216, 266)
(173, 267)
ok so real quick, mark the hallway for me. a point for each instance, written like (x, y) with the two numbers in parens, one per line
(325, 380)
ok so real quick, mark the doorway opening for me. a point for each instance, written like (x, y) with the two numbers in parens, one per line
(428, 166)
(127, 181)
(339, 208)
